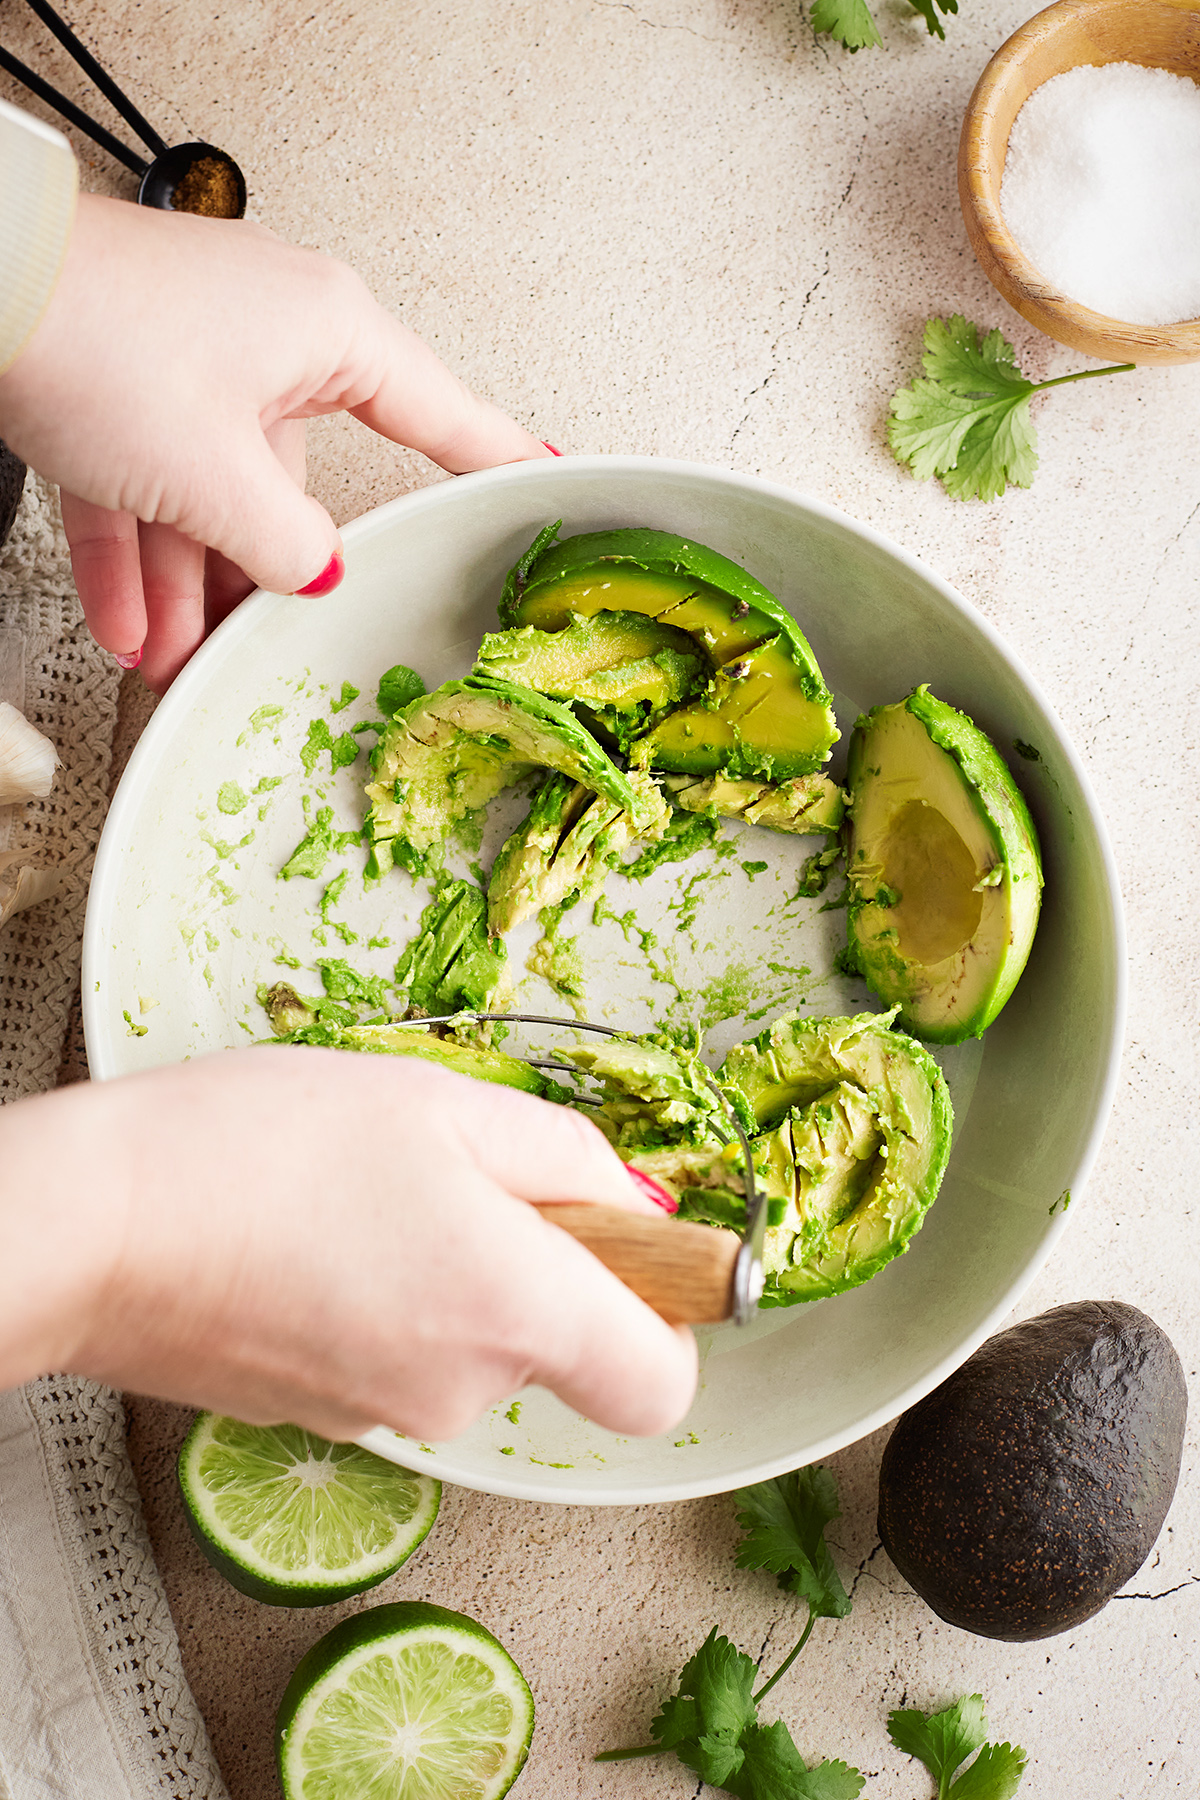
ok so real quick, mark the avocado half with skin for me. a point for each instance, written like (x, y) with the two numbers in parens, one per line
(944, 871)
(766, 711)
(858, 1126)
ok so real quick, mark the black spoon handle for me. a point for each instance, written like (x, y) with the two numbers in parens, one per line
(71, 112)
(102, 79)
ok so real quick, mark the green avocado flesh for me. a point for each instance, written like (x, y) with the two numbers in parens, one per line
(452, 751)
(390, 1038)
(452, 964)
(566, 845)
(651, 1094)
(809, 803)
(858, 1124)
(945, 876)
(622, 670)
(767, 711)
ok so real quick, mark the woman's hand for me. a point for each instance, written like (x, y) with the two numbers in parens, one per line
(336, 1240)
(165, 390)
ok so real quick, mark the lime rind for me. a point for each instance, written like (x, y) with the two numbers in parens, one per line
(295, 1520)
(404, 1702)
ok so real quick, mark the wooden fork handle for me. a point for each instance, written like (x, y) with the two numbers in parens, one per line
(681, 1269)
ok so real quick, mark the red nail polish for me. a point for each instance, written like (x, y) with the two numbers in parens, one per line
(329, 578)
(130, 661)
(653, 1190)
(551, 449)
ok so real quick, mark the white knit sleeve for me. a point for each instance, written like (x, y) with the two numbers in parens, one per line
(38, 183)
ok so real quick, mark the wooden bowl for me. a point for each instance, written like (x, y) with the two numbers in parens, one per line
(1158, 34)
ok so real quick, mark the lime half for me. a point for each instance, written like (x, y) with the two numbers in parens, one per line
(290, 1518)
(404, 1702)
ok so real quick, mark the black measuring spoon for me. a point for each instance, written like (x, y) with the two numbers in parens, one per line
(196, 178)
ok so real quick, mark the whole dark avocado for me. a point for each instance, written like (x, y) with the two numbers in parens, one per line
(1023, 1493)
(12, 482)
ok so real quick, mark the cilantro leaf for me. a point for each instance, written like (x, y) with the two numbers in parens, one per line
(849, 21)
(967, 420)
(994, 452)
(773, 1769)
(933, 24)
(704, 1722)
(398, 688)
(944, 1740)
(941, 1740)
(784, 1521)
(957, 358)
(972, 390)
(994, 1775)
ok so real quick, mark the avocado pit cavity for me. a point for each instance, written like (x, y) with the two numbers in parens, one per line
(927, 863)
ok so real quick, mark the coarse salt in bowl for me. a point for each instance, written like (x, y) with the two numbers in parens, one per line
(1101, 189)
(1079, 176)
(423, 575)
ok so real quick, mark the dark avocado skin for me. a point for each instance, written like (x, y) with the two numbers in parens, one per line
(12, 481)
(1023, 1493)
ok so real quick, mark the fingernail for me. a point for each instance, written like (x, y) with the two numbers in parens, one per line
(130, 661)
(653, 1190)
(329, 578)
(551, 449)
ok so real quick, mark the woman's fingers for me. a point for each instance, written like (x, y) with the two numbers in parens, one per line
(225, 587)
(543, 1152)
(418, 402)
(246, 506)
(173, 583)
(106, 562)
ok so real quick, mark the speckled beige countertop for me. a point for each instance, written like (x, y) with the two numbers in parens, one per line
(686, 227)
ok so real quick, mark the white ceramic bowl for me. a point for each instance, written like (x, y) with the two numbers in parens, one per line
(174, 874)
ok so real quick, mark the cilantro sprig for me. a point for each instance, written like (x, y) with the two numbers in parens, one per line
(968, 421)
(853, 25)
(943, 1741)
(711, 1722)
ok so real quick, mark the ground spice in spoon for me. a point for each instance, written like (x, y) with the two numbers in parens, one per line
(209, 188)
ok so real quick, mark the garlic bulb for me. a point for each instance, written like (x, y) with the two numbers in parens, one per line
(27, 760)
(20, 884)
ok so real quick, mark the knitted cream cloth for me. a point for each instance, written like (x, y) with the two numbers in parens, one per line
(93, 1701)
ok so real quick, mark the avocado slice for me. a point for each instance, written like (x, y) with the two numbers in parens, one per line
(1024, 1492)
(622, 671)
(452, 751)
(945, 875)
(476, 1060)
(858, 1127)
(652, 1094)
(806, 804)
(768, 714)
(452, 964)
(566, 845)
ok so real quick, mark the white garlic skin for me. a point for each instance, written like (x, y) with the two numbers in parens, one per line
(27, 759)
(22, 885)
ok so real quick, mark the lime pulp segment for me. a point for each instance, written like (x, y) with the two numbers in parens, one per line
(296, 1513)
(428, 1714)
